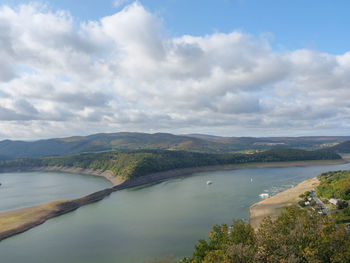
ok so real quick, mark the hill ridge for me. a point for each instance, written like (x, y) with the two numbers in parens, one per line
(10, 149)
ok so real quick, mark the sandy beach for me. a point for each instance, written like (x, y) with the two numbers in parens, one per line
(273, 205)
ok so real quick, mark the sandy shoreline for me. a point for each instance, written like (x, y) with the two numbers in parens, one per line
(17, 221)
(273, 205)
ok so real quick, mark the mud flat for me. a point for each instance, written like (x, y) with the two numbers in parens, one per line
(272, 206)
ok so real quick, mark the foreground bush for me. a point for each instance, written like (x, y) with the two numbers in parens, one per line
(295, 236)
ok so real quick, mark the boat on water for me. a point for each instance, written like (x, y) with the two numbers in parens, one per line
(209, 182)
(264, 195)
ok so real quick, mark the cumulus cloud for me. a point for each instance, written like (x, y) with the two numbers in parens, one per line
(125, 72)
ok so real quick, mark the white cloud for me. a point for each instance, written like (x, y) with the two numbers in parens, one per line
(124, 72)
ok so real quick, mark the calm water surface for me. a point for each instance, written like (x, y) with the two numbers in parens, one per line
(143, 223)
(32, 188)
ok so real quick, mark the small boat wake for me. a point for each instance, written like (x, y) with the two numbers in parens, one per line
(274, 190)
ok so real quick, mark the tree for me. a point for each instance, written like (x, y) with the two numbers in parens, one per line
(342, 204)
(297, 235)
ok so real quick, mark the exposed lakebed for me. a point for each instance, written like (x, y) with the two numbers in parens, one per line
(142, 223)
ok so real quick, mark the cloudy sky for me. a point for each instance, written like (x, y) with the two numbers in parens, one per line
(226, 67)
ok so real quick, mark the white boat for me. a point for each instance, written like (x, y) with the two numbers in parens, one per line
(251, 179)
(209, 182)
(264, 195)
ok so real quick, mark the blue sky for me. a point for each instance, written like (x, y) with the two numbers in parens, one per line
(223, 67)
(315, 24)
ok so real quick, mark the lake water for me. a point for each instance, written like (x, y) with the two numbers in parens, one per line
(32, 188)
(140, 224)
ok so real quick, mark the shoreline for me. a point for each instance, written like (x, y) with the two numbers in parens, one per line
(273, 205)
(165, 175)
(13, 222)
(64, 169)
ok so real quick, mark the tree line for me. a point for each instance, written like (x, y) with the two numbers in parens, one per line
(135, 163)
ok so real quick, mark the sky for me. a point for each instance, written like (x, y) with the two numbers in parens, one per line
(224, 67)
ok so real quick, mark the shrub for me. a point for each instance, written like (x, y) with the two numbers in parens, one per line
(342, 204)
(295, 236)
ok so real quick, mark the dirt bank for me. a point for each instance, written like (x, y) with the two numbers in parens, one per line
(17, 221)
(159, 176)
(115, 180)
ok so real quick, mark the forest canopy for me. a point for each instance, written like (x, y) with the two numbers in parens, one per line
(135, 163)
(334, 185)
(295, 236)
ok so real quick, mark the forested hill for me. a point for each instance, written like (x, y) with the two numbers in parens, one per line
(342, 147)
(135, 163)
(132, 141)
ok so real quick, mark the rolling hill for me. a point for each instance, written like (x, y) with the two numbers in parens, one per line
(131, 141)
(342, 147)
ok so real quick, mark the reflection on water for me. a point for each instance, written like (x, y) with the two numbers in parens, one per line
(139, 224)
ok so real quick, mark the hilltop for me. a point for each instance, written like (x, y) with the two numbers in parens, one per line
(164, 141)
(342, 147)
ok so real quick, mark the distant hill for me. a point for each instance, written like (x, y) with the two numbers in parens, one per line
(306, 142)
(164, 141)
(343, 147)
(106, 142)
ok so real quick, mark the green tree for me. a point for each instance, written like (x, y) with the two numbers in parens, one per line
(297, 235)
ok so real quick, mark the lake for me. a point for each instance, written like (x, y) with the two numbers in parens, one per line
(140, 224)
(32, 188)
